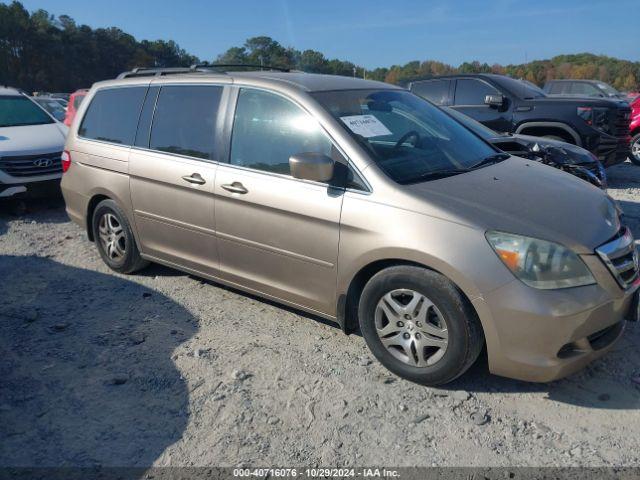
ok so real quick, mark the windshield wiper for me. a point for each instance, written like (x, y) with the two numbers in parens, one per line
(491, 159)
(435, 175)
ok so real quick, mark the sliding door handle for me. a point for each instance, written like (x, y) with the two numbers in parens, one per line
(235, 187)
(194, 178)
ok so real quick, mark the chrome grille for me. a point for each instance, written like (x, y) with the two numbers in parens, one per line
(621, 257)
(31, 165)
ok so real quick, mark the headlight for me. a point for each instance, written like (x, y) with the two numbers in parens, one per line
(538, 263)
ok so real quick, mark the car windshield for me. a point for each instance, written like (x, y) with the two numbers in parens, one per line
(609, 90)
(473, 125)
(409, 138)
(522, 88)
(16, 111)
(53, 107)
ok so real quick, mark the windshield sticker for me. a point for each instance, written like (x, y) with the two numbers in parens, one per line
(366, 125)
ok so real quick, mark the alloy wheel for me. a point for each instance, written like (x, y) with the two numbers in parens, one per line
(635, 149)
(112, 237)
(411, 328)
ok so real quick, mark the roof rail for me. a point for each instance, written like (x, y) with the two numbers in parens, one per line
(196, 68)
(212, 66)
(150, 72)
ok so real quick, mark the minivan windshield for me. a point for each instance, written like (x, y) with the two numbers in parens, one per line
(18, 111)
(410, 139)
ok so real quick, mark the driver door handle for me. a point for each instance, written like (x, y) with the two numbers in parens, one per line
(235, 187)
(194, 178)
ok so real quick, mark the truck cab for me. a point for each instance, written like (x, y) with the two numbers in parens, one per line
(508, 105)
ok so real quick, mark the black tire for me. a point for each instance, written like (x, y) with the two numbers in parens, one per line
(465, 335)
(128, 262)
(635, 140)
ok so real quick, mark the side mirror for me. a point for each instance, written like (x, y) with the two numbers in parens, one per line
(311, 166)
(496, 100)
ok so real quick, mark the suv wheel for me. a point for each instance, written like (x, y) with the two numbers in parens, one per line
(635, 149)
(419, 325)
(114, 239)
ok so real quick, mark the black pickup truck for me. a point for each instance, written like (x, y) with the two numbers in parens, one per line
(516, 106)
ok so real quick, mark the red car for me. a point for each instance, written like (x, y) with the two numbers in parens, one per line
(74, 102)
(635, 131)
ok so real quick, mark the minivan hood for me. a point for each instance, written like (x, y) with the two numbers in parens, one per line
(32, 139)
(524, 197)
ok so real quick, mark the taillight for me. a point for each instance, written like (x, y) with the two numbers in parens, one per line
(65, 159)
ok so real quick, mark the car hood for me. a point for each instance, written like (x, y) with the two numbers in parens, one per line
(579, 101)
(524, 197)
(32, 139)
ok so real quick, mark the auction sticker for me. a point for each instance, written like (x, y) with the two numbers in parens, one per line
(366, 125)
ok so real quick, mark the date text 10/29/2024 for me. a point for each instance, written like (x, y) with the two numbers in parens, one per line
(316, 472)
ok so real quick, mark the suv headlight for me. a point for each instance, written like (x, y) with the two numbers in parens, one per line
(538, 263)
(596, 117)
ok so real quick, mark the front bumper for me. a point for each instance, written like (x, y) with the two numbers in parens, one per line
(42, 188)
(543, 335)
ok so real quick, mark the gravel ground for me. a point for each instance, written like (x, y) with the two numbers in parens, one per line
(164, 368)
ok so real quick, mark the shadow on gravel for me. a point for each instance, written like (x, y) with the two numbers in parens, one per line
(86, 376)
(50, 209)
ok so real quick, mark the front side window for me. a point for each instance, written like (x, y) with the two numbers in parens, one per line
(113, 115)
(268, 129)
(435, 90)
(407, 137)
(19, 111)
(185, 120)
(470, 91)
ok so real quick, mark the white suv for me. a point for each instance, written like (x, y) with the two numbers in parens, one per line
(31, 144)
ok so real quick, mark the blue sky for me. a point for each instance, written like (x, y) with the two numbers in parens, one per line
(375, 33)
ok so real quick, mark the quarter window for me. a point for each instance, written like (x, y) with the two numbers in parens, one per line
(185, 120)
(113, 114)
(268, 129)
(470, 91)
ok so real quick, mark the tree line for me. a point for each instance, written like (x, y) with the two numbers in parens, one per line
(39, 51)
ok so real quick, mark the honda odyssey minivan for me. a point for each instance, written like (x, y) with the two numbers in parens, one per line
(361, 203)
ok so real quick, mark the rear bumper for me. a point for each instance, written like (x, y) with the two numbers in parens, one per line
(544, 335)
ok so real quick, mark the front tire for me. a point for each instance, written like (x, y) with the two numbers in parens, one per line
(635, 149)
(114, 238)
(419, 325)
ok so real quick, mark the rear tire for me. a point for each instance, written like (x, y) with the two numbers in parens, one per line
(419, 325)
(114, 238)
(635, 149)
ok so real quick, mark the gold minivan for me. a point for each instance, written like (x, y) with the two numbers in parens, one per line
(359, 202)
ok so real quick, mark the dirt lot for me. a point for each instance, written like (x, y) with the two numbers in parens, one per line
(163, 368)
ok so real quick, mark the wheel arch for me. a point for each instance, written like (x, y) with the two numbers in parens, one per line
(550, 128)
(347, 307)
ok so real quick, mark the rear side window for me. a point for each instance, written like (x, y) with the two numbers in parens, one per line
(470, 91)
(558, 88)
(185, 120)
(113, 115)
(268, 129)
(436, 91)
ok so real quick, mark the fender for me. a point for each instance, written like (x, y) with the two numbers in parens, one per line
(558, 125)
